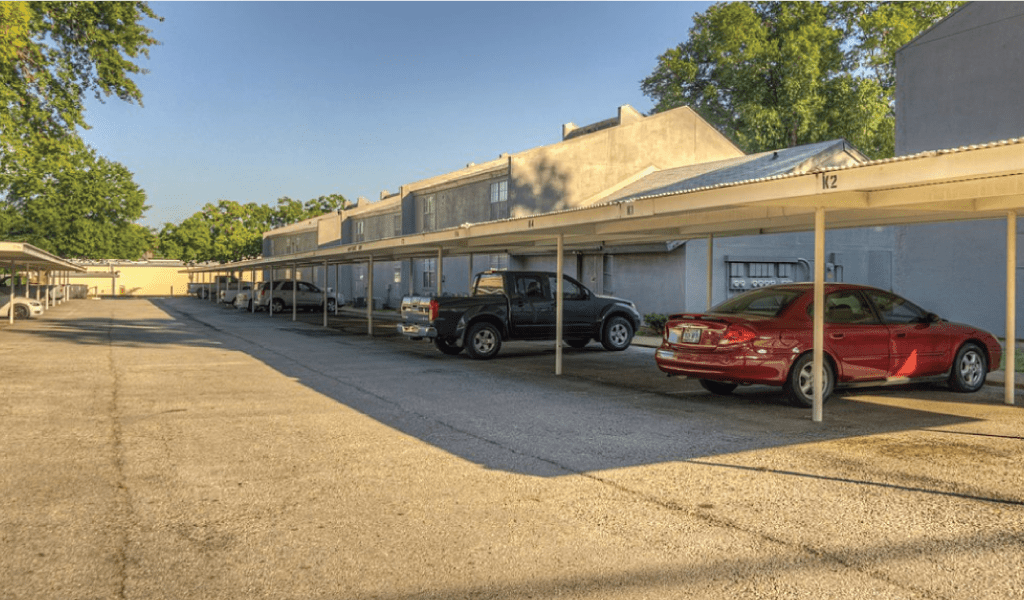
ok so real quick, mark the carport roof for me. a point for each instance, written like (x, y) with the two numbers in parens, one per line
(28, 256)
(976, 182)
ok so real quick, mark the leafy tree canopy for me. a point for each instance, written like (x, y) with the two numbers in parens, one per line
(228, 231)
(55, 192)
(85, 207)
(771, 75)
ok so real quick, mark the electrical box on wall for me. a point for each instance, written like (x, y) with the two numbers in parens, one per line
(753, 272)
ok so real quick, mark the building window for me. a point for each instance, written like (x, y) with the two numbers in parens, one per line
(499, 262)
(398, 273)
(360, 231)
(397, 225)
(429, 273)
(429, 216)
(499, 200)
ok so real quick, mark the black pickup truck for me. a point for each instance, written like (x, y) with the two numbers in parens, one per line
(518, 305)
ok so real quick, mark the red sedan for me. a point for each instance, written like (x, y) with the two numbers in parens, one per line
(764, 336)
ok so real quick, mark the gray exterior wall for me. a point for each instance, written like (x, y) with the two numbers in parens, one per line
(675, 280)
(960, 83)
(454, 204)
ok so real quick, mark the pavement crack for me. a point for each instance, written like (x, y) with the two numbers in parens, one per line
(123, 513)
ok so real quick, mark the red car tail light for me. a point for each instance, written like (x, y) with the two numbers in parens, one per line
(737, 334)
(434, 309)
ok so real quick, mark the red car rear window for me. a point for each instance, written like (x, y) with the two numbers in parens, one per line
(767, 302)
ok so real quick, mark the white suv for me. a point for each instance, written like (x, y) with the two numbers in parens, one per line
(307, 296)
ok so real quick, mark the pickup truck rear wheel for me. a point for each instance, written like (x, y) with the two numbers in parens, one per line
(618, 333)
(483, 341)
(446, 346)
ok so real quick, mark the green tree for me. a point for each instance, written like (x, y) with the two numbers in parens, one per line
(85, 207)
(51, 55)
(777, 74)
(54, 191)
(228, 231)
(324, 205)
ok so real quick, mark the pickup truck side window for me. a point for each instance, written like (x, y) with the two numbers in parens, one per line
(530, 287)
(570, 291)
(489, 285)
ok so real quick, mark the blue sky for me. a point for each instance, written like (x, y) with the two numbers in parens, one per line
(252, 101)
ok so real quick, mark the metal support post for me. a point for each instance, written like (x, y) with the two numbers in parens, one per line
(1009, 371)
(369, 299)
(819, 312)
(711, 265)
(559, 303)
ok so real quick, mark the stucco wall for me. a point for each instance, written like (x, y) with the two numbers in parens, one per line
(134, 279)
(962, 82)
(570, 173)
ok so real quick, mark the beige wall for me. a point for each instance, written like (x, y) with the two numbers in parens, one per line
(569, 173)
(134, 279)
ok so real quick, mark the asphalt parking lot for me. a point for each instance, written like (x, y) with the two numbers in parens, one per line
(170, 448)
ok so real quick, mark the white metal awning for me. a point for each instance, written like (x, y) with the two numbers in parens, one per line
(969, 183)
(20, 256)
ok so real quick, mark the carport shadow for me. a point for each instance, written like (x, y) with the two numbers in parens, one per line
(514, 414)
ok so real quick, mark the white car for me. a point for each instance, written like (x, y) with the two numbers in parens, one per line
(229, 295)
(24, 308)
(308, 296)
(241, 301)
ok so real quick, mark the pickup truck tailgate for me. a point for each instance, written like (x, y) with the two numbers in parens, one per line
(416, 318)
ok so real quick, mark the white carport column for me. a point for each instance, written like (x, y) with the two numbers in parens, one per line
(369, 299)
(337, 285)
(295, 288)
(711, 266)
(559, 303)
(325, 293)
(1010, 355)
(10, 299)
(252, 291)
(270, 294)
(819, 312)
(440, 271)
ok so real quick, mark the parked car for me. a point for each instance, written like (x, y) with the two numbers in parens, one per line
(307, 296)
(204, 290)
(518, 305)
(24, 308)
(227, 296)
(764, 336)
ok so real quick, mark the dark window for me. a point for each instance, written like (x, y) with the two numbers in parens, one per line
(570, 291)
(499, 200)
(530, 286)
(894, 309)
(429, 269)
(846, 307)
(429, 218)
(767, 302)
